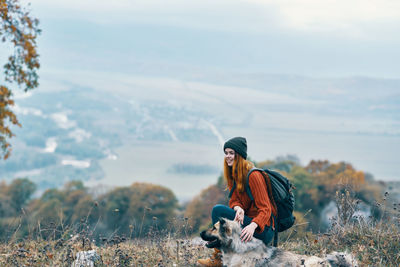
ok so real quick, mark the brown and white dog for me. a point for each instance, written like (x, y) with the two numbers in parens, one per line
(225, 235)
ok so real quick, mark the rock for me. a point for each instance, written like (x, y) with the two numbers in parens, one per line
(86, 259)
(197, 241)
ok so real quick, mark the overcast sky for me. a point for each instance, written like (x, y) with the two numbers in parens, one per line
(306, 37)
(156, 49)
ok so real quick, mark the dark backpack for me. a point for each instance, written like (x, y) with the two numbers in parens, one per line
(283, 197)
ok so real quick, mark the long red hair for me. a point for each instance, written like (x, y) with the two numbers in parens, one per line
(238, 172)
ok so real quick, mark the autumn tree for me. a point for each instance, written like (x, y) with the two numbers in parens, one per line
(160, 202)
(77, 202)
(114, 206)
(18, 30)
(6, 209)
(304, 184)
(141, 206)
(70, 206)
(199, 209)
(20, 191)
(330, 176)
(15, 196)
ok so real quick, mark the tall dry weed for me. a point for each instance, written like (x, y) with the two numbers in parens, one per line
(374, 241)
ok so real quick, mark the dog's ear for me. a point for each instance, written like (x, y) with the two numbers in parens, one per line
(222, 225)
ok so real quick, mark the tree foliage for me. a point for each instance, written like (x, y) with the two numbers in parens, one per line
(136, 209)
(15, 196)
(140, 206)
(73, 207)
(19, 30)
(20, 191)
(199, 209)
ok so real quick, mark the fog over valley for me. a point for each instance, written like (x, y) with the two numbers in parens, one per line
(115, 129)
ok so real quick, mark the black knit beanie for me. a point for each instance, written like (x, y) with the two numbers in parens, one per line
(239, 144)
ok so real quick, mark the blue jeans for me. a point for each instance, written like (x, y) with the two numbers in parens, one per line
(219, 211)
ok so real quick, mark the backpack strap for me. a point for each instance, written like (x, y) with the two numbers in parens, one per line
(275, 244)
(233, 189)
(276, 237)
(246, 185)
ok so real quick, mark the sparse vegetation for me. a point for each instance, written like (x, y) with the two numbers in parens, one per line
(373, 242)
(143, 225)
(172, 247)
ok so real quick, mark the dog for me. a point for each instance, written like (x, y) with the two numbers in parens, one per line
(225, 235)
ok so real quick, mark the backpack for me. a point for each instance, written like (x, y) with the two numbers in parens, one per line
(283, 197)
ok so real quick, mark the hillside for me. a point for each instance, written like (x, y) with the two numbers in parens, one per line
(116, 129)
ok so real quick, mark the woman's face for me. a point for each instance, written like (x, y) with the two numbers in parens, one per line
(229, 156)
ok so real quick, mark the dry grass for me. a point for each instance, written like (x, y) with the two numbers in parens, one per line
(157, 248)
(373, 242)
(160, 251)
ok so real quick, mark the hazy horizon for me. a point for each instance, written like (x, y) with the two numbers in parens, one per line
(316, 79)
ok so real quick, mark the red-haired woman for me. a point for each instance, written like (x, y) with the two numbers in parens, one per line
(255, 216)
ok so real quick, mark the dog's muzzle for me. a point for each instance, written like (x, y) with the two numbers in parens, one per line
(212, 241)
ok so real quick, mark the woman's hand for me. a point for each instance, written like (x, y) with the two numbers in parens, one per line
(248, 232)
(239, 216)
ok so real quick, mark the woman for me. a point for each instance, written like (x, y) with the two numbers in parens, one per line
(255, 216)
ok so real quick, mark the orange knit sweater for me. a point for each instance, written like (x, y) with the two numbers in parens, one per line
(261, 208)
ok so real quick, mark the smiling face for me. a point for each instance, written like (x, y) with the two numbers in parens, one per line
(229, 156)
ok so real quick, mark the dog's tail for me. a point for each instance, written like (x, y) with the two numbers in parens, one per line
(341, 259)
